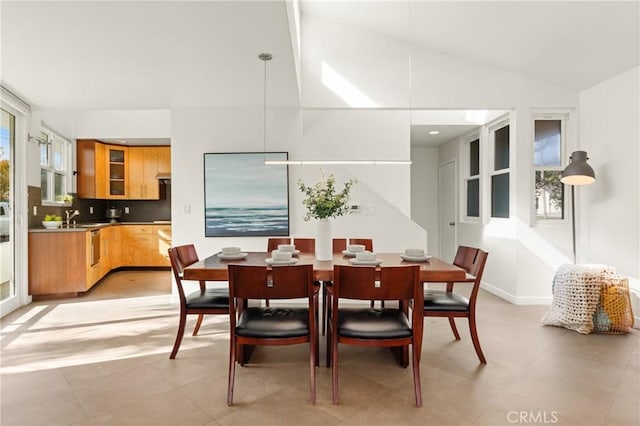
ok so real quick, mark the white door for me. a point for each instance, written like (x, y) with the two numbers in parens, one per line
(447, 210)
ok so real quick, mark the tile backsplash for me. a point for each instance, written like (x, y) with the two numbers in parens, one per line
(139, 210)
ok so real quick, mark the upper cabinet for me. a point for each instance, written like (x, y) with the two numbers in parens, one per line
(119, 172)
(92, 171)
(145, 164)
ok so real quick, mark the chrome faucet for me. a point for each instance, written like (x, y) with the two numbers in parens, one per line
(70, 215)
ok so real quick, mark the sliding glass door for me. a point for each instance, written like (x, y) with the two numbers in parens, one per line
(7, 239)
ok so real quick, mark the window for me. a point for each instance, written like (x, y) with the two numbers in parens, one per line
(55, 165)
(500, 171)
(548, 147)
(472, 177)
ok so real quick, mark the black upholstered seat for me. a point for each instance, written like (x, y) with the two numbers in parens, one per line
(444, 301)
(211, 299)
(273, 322)
(373, 323)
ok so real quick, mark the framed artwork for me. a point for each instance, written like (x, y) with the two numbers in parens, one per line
(243, 197)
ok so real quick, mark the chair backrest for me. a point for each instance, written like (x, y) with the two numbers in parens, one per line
(339, 245)
(181, 257)
(471, 259)
(305, 245)
(272, 243)
(366, 242)
(359, 282)
(284, 282)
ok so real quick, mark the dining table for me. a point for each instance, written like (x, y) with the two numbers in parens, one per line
(214, 267)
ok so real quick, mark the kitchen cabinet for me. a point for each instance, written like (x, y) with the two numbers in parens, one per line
(117, 171)
(144, 245)
(59, 263)
(92, 169)
(144, 165)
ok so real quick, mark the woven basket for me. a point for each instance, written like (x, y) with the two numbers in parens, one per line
(613, 314)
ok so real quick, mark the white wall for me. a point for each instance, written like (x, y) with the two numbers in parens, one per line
(608, 210)
(424, 190)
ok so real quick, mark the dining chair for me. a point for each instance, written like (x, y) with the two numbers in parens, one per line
(339, 245)
(446, 303)
(273, 243)
(275, 325)
(305, 245)
(206, 301)
(384, 327)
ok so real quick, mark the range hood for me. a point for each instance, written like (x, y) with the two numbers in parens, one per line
(164, 177)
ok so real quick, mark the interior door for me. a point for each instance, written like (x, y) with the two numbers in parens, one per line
(447, 210)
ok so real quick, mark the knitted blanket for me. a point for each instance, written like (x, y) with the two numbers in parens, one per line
(576, 293)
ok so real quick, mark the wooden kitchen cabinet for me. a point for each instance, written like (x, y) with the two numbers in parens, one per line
(92, 169)
(60, 263)
(117, 171)
(144, 245)
(144, 164)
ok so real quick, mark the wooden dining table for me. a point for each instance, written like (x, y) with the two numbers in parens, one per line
(213, 268)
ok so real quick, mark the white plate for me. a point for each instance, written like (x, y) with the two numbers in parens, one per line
(365, 262)
(232, 256)
(270, 261)
(348, 253)
(415, 259)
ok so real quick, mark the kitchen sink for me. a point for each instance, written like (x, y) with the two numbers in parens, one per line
(91, 225)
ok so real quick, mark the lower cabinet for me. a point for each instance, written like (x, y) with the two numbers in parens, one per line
(71, 262)
(144, 245)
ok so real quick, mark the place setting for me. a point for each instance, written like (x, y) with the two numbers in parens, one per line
(415, 255)
(365, 258)
(279, 257)
(353, 249)
(232, 253)
(288, 248)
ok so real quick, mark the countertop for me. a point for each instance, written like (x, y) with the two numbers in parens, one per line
(84, 227)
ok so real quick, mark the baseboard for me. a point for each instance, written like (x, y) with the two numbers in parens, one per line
(516, 300)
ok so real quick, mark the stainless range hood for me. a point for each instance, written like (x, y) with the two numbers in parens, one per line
(164, 177)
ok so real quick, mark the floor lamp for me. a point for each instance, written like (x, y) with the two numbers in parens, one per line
(578, 172)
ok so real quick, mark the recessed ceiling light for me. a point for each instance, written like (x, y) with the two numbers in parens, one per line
(434, 132)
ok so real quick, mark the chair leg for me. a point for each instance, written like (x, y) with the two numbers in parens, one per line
(232, 371)
(198, 324)
(334, 371)
(313, 361)
(452, 323)
(416, 374)
(475, 340)
(176, 345)
(325, 308)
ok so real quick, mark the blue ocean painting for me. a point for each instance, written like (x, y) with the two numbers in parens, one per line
(245, 197)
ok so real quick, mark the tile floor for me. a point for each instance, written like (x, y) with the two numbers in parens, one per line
(103, 359)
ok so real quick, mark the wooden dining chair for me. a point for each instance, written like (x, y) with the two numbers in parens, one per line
(446, 303)
(275, 325)
(206, 301)
(384, 327)
(273, 243)
(339, 245)
(305, 245)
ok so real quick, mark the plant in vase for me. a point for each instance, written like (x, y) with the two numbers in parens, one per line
(324, 201)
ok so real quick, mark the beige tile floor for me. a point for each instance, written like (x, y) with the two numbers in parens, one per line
(102, 359)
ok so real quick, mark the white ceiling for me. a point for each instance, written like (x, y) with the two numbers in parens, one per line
(84, 55)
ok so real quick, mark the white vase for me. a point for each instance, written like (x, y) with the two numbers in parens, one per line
(324, 242)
